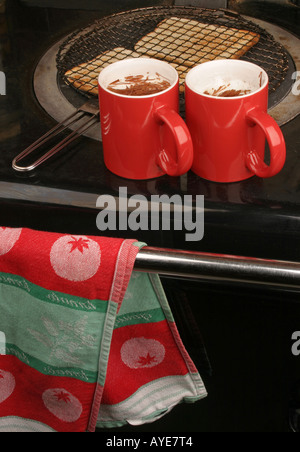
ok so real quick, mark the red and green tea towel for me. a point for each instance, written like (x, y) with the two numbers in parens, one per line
(88, 342)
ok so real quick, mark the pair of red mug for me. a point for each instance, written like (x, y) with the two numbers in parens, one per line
(222, 140)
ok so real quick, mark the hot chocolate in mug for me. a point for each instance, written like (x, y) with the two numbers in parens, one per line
(226, 113)
(143, 134)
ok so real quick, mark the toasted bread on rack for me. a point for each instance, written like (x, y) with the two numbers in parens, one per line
(183, 43)
(188, 42)
(182, 73)
(85, 76)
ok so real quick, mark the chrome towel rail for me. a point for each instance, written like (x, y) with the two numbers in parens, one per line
(218, 267)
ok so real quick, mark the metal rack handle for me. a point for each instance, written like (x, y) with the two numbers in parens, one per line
(91, 107)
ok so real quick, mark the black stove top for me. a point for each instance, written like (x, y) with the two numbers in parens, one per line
(259, 218)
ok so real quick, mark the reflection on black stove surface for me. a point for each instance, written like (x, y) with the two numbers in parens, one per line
(285, 13)
(247, 333)
(81, 168)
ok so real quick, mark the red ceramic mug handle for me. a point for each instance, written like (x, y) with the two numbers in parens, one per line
(276, 144)
(183, 142)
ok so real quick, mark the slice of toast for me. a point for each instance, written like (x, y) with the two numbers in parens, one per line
(189, 42)
(183, 43)
(182, 73)
(85, 76)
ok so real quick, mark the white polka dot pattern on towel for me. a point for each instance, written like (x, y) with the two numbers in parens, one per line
(75, 258)
(140, 353)
(8, 239)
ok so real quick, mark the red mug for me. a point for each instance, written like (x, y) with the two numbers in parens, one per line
(144, 136)
(229, 133)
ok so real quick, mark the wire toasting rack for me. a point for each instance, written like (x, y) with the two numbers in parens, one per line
(117, 35)
(125, 29)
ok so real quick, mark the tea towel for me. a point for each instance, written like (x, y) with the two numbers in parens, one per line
(70, 330)
(149, 370)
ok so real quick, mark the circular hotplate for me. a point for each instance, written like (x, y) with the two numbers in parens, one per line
(60, 100)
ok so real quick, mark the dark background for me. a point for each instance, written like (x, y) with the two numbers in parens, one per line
(253, 378)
